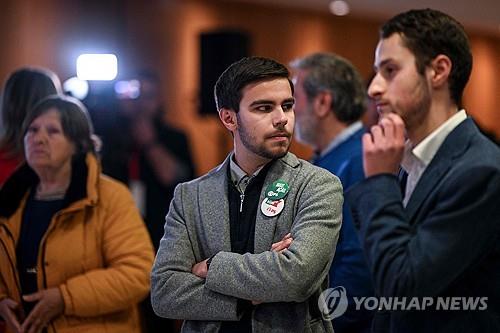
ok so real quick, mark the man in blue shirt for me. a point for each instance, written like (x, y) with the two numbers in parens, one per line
(330, 101)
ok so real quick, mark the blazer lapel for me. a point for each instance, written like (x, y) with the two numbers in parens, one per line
(214, 205)
(426, 184)
(403, 179)
(265, 226)
(453, 147)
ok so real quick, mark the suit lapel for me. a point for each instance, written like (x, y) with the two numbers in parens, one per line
(403, 179)
(214, 205)
(452, 148)
(265, 227)
(426, 184)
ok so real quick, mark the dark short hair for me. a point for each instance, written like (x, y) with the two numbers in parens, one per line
(428, 33)
(75, 121)
(336, 75)
(24, 88)
(231, 82)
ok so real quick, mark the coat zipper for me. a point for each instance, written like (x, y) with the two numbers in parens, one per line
(44, 276)
(242, 198)
(44, 248)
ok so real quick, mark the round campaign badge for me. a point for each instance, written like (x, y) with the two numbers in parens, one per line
(272, 208)
(277, 190)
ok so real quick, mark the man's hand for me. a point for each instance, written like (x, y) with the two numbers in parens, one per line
(11, 313)
(200, 269)
(383, 148)
(50, 304)
(283, 244)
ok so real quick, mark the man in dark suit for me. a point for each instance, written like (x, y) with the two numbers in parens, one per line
(432, 232)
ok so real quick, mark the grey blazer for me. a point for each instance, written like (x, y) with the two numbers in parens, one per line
(197, 227)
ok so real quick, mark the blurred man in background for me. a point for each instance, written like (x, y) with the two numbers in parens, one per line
(330, 101)
(143, 151)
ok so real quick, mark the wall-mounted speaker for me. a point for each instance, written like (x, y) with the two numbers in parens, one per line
(218, 50)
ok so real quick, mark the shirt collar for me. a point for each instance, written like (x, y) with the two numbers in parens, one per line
(425, 151)
(239, 177)
(343, 136)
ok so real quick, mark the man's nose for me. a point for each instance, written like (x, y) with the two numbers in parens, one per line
(280, 118)
(376, 87)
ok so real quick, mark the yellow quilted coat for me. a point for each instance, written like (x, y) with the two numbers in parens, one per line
(96, 250)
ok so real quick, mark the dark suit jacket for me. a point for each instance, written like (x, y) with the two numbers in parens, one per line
(444, 243)
(118, 148)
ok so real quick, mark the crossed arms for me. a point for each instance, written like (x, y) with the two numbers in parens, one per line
(292, 275)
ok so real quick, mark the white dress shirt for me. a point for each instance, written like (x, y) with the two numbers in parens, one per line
(416, 159)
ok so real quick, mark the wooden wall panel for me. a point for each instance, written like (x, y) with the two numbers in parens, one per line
(163, 35)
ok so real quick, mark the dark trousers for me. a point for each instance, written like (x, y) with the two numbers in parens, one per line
(153, 323)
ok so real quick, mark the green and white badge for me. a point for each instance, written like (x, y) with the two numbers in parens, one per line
(277, 190)
(272, 208)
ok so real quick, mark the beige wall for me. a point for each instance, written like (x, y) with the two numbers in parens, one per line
(163, 35)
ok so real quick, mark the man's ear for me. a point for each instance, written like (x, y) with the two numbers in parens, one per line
(440, 70)
(322, 104)
(229, 119)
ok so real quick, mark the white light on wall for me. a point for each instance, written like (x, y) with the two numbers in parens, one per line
(97, 67)
(76, 87)
(339, 7)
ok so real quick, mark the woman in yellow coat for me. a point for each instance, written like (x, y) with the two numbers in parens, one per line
(75, 255)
